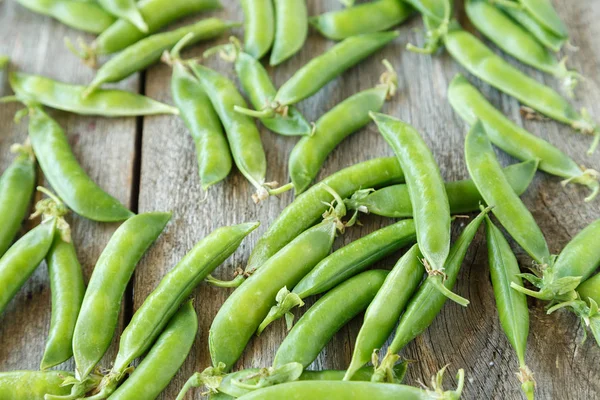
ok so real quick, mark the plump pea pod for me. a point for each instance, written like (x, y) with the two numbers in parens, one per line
(374, 16)
(327, 316)
(160, 305)
(126, 10)
(427, 302)
(242, 133)
(163, 361)
(241, 314)
(67, 287)
(516, 41)
(497, 192)
(32, 385)
(482, 62)
(291, 29)
(259, 26)
(16, 190)
(66, 97)
(545, 14)
(341, 265)
(22, 259)
(85, 16)
(66, 176)
(543, 35)
(99, 314)
(463, 196)
(590, 289)
(427, 193)
(384, 311)
(471, 106)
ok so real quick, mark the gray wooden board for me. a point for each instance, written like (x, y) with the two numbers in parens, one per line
(150, 164)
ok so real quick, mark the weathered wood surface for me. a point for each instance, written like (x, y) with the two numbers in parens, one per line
(150, 164)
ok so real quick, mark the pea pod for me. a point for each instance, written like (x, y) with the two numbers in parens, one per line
(384, 311)
(32, 385)
(463, 196)
(16, 191)
(66, 176)
(427, 302)
(33, 89)
(127, 10)
(291, 29)
(374, 16)
(471, 105)
(543, 35)
(511, 305)
(163, 361)
(341, 265)
(259, 26)
(590, 289)
(99, 313)
(496, 191)
(544, 13)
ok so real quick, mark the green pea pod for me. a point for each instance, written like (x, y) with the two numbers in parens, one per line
(148, 51)
(67, 287)
(543, 35)
(427, 193)
(463, 196)
(375, 16)
(291, 29)
(545, 14)
(242, 134)
(427, 302)
(471, 106)
(496, 191)
(16, 191)
(235, 323)
(81, 15)
(163, 361)
(341, 265)
(66, 176)
(126, 10)
(384, 311)
(22, 259)
(511, 305)
(327, 316)
(32, 385)
(259, 26)
(482, 62)
(99, 314)
(32, 89)
(198, 114)
(590, 289)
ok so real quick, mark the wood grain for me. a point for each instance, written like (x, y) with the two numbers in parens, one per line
(150, 164)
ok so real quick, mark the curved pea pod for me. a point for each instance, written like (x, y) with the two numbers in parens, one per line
(67, 287)
(543, 35)
(482, 62)
(463, 196)
(384, 311)
(33, 385)
(291, 29)
(241, 314)
(427, 302)
(198, 114)
(22, 259)
(148, 51)
(163, 361)
(374, 16)
(511, 305)
(341, 265)
(81, 15)
(544, 13)
(66, 176)
(496, 191)
(16, 191)
(471, 106)
(259, 26)
(35, 89)
(127, 10)
(99, 314)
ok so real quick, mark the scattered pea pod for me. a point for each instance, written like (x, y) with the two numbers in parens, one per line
(463, 196)
(384, 311)
(471, 105)
(545, 14)
(543, 35)
(32, 385)
(291, 29)
(259, 26)
(126, 10)
(32, 89)
(16, 191)
(374, 16)
(341, 265)
(511, 305)
(99, 313)
(66, 176)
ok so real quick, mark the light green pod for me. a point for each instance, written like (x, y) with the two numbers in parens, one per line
(259, 26)
(127, 10)
(291, 29)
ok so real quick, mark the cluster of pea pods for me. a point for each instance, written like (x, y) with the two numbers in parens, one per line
(408, 186)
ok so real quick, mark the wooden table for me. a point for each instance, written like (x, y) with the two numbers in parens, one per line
(150, 164)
